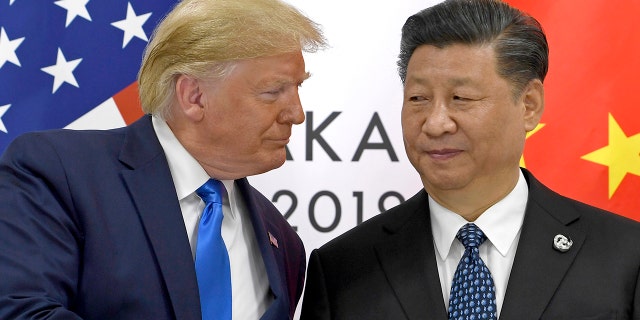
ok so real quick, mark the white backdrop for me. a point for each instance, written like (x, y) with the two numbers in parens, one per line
(357, 79)
(354, 86)
(327, 188)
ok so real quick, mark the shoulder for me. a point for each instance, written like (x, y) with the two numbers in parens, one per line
(597, 222)
(605, 225)
(50, 151)
(62, 141)
(85, 141)
(380, 227)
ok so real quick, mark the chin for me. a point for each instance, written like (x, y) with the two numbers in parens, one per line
(443, 181)
(272, 163)
(281, 161)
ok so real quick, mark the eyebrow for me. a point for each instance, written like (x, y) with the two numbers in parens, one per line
(421, 80)
(460, 81)
(284, 81)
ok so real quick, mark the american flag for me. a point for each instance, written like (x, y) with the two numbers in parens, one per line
(66, 63)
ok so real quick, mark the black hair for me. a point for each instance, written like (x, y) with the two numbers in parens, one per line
(520, 44)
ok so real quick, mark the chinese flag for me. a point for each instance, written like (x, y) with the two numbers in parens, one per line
(587, 146)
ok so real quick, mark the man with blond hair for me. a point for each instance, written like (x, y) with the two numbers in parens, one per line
(107, 224)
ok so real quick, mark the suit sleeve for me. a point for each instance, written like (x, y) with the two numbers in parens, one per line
(636, 299)
(39, 239)
(315, 304)
(301, 275)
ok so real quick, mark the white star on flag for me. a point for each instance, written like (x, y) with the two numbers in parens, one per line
(79, 89)
(3, 109)
(74, 8)
(8, 49)
(132, 25)
(62, 71)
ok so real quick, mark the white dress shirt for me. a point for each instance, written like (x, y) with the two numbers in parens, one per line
(501, 223)
(249, 282)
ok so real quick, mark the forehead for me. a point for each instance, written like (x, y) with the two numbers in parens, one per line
(267, 72)
(280, 65)
(458, 62)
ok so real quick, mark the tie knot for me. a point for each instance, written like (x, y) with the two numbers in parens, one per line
(471, 236)
(211, 191)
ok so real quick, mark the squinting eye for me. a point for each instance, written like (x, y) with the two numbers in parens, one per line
(272, 93)
(459, 98)
(276, 90)
(416, 99)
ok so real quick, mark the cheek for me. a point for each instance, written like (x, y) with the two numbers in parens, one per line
(500, 134)
(411, 124)
(411, 138)
(247, 123)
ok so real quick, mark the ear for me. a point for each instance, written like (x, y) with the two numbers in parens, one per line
(533, 100)
(189, 96)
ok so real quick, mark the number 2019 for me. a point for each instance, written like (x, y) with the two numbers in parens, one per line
(358, 195)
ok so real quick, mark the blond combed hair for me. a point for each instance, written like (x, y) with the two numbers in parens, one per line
(202, 38)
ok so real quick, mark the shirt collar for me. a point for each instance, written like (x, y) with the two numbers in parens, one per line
(500, 223)
(188, 175)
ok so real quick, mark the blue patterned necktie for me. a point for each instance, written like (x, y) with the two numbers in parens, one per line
(212, 259)
(472, 291)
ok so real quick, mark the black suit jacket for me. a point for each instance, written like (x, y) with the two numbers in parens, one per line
(90, 227)
(386, 268)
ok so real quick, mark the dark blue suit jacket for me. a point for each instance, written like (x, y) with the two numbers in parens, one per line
(91, 228)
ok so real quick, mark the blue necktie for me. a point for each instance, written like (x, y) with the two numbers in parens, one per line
(472, 291)
(212, 259)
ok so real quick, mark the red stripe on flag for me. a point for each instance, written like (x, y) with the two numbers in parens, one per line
(128, 103)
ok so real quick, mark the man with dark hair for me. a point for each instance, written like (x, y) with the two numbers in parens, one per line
(484, 239)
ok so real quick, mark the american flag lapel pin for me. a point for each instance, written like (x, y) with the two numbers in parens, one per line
(272, 240)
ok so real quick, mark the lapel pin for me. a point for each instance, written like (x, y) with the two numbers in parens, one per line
(562, 243)
(272, 240)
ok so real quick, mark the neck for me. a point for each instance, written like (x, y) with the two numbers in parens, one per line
(218, 166)
(473, 200)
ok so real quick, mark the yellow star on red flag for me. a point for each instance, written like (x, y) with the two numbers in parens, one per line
(622, 155)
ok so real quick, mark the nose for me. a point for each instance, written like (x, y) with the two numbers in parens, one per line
(439, 120)
(292, 112)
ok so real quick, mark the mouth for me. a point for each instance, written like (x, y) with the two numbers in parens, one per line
(282, 141)
(443, 154)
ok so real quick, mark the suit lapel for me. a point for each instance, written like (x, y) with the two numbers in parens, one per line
(408, 260)
(150, 184)
(271, 256)
(538, 268)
